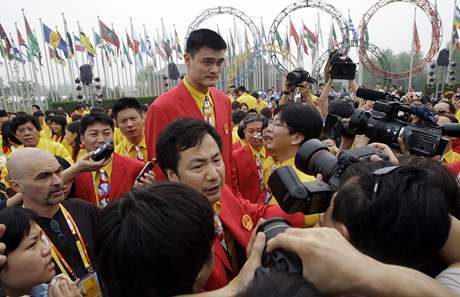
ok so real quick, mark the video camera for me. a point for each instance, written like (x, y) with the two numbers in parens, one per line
(299, 75)
(313, 158)
(342, 67)
(389, 120)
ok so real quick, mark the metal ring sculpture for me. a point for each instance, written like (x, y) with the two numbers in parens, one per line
(324, 6)
(383, 61)
(436, 26)
(210, 12)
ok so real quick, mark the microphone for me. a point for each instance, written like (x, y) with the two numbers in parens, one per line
(373, 95)
(452, 130)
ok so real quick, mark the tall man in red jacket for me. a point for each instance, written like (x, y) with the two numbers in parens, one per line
(196, 97)
(190, 151)
(114, 179)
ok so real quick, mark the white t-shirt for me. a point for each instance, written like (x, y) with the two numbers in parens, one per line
(450, 278)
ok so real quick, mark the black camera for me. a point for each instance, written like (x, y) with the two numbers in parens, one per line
(279, 260)
(313, 158)
(103, 152)
(342, 67)
(389, 120)
(299, 75)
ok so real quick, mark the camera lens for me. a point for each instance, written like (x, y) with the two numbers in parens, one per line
(273, 227)
(313, 157)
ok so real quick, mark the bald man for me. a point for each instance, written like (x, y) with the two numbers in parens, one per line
(38, 177)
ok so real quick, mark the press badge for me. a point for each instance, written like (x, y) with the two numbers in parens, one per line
(89, 286)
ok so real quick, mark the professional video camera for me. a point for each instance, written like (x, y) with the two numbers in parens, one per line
(313, 158)
(299, 75)
(342, 67)
(389, 120)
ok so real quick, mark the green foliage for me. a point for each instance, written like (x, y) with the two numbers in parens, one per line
(69, 106)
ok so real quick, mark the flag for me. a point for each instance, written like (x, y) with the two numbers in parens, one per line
(85, 41)
(333, 43)
(125, 51)
(68, 36)
(263, 36)
(33, 43)
(416, 38)
(98, 41)
(79, 47)
(143, 48)
(128, 41)
(160, 51)
(457, 17)
(17, 55)
(351, 28)
(108, 35)
(293, 33)
(304, 46)
(148, 46)
(455, 38)
(136, 41)
(287, 46)
(311, 37)
(178, 47)
(279, 39)
(54, 56)
(4, 37)
(21, 41)
(54, 39)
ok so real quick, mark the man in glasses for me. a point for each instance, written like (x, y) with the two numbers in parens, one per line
(67, 224)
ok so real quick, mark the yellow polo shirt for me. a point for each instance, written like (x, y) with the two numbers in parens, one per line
(250, 101)
(118, 136)
(309, 220)
(46, 132)
(127, 149)
(199, 96)
(261, 105)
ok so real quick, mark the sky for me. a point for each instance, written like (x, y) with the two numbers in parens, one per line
(391, 26)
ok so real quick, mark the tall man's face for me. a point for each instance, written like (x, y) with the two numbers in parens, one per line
(204, 68)
(202, 168)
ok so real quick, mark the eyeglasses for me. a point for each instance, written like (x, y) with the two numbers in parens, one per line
(57, 229)
(378, 176)
(278, 124)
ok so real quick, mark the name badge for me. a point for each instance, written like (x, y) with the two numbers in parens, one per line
(89, 286)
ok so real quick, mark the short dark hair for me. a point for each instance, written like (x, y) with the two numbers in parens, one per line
(92, 118)
(38, 114)
(179, 136)
(267, 113)
(8, 135)
(36, 106)
(251, 118)
(124, 103)
(271, 283)
(24, 118)
(201, 38)
(3, 113)
(406, 223)
(49, 112)
(302, 119)
(17, 221)
(242, 89)
(154, 240)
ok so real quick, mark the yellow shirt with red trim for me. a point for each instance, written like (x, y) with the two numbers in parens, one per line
(310, 220)
(46, 132)
(451, 156)
(127, 149)
(199, 97)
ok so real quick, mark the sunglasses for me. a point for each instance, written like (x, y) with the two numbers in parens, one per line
(378, 177)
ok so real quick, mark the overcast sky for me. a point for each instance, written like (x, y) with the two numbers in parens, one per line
(391, 27)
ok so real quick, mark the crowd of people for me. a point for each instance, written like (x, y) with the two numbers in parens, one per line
(175, 207)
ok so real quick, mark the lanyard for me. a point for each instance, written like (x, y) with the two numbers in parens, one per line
(57, 256)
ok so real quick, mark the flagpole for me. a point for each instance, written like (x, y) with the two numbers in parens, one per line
(95, 58)
(46, 53)
(411, 64)
(62, 66)
(149, 83)
(42, 76)
(71, 57)
(27, 94)
(10, 82)
(123, 73)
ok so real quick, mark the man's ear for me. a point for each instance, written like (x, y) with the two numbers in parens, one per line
(343, 230)
(14, 184)
(187, 58)
(297, 138)
(172, 176)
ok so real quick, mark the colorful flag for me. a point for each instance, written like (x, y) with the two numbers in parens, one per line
(128, 41)
(310, 36)
(54, 56)
(279, 39)
(98, 41)
(85, 41)
(33, 43)
(79, 47)
(68, 36)
(417, 45)
(108, 35)
(136, 41)
(159, 51)
(457, 17)
(351, 28)
(125, 51)
(4, 37)
(21, 41)
(178, 47)
(54, 39)
(148, 46)
(293, 33)
(455, 38)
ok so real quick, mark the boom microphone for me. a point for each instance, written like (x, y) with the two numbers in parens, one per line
(373, 95)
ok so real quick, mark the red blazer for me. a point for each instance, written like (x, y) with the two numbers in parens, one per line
(177, 103)
(248, 175)
(239, 217)
(124, 173)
